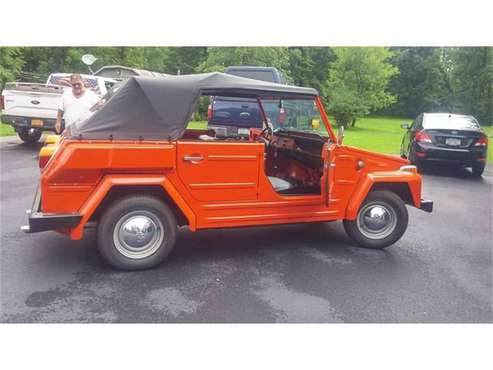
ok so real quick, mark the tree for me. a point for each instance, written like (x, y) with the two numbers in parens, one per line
(184, 60)
(218, 58)
(308, 66)
(422, 84)
(11, 64)
(472, 82)
(357, 82)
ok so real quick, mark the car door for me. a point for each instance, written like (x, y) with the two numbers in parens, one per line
(219, 171)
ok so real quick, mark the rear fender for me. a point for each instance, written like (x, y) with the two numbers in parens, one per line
(369, 180)
(95, 199)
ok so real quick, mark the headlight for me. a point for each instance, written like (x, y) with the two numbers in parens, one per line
(409, 168)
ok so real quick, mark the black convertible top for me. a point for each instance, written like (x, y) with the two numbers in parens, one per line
(156, 108)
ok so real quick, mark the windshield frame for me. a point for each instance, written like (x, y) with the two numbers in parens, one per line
(320, 110)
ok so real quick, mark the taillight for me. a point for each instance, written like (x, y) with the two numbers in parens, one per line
(2, 102)
(482, 141)
(209, 112)
(422, 137)
(46, 154)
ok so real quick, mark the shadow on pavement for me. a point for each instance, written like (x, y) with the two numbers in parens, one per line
(444, 169)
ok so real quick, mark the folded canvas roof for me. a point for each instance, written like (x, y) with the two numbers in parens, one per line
(157, 108)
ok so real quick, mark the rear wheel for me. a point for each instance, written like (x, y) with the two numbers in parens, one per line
(136, 232)
(478, 169)
(30, 135)
(381, 221)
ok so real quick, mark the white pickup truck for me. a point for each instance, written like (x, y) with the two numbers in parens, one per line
(31, 108)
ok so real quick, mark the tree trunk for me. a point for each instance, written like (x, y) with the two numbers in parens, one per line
(353, 122)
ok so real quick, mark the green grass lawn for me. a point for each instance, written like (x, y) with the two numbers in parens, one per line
(6, 130)
(380, 134)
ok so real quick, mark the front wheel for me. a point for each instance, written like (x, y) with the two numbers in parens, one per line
(30, 135)
(136, 232)
(381, 221)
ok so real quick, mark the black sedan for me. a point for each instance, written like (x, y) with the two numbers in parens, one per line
(446, 137)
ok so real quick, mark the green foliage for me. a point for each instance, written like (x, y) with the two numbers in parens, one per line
(472, 81)
(218, 58)
(422, 84)
(11, 63)
(357, 82)
(309, 66)
(354, 81)
(184, 60)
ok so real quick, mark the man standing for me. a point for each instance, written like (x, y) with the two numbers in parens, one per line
(75, 103)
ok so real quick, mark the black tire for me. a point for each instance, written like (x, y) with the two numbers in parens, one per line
(393, 207)
(30, 136)
(477, 169)
(139, 208)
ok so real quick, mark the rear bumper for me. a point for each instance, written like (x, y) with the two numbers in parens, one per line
(425, 151)
(426, 205)
(39, 221)
(21, 123)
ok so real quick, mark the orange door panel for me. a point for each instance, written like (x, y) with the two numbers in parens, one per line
(219, 171)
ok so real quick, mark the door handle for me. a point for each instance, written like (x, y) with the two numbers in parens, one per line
(193, 158)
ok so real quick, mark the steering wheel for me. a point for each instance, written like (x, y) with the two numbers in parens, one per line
(266, 135)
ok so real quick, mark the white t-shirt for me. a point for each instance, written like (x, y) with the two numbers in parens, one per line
(75, 109)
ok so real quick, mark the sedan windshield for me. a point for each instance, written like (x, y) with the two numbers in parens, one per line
(294, 115)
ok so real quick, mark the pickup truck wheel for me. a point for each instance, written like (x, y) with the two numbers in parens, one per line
(136, 233)
(381, 221)
(30, 135)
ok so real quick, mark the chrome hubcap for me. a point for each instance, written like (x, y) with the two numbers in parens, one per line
(376, 220)
(138, 234)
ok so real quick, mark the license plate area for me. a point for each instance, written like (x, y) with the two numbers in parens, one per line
(37, 123)
(452, 141)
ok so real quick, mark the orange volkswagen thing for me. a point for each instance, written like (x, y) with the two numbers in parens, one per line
(136, 172)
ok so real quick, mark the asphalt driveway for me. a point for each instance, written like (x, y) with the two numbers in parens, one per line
(441, 271)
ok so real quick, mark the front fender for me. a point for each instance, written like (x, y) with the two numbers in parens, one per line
(368, 180)
(95, 199)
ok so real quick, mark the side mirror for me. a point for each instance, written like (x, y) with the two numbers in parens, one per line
(405, 126)
(340, 135)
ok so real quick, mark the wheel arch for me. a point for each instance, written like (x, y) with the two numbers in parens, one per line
(119, 191)
(114, 186)
(408, 189)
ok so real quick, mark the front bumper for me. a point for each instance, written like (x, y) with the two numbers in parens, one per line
(39, 221)
(426, 205)
(23, 123)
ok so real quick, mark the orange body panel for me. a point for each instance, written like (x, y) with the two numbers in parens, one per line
(216, 184)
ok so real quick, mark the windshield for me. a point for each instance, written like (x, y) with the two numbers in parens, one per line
(294, 115)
